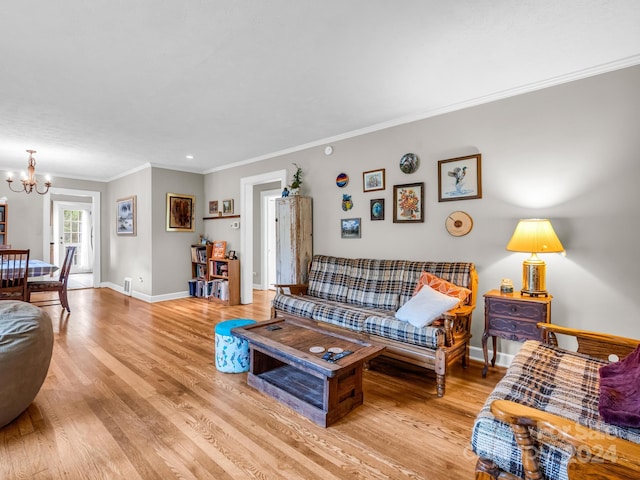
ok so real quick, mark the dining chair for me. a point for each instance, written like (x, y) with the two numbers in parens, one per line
(59, 285)
(14, 270)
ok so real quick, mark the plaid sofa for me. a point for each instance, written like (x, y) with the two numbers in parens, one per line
(362, 295)
(553, 380)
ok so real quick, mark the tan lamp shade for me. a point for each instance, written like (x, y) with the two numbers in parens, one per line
(535, 235)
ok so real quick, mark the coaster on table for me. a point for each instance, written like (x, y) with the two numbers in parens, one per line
(316, 349)
(335, 350)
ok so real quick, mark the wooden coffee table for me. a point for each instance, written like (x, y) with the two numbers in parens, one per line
(283, 367)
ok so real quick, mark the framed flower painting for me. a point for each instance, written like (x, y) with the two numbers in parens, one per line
(408, 203)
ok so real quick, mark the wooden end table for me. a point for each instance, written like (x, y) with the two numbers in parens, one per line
(513, 317)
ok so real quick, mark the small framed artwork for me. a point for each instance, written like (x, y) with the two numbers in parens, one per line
(376, 208)
(232, 255)
(213, 207)
(350, 227)
(408, 203)
(227, 207)
(180, 212)
(460, 178)
(373, 180)
(126, 216)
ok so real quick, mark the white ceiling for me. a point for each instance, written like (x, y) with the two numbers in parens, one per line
(102, 87)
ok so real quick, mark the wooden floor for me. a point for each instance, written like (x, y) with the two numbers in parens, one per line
(133, 393)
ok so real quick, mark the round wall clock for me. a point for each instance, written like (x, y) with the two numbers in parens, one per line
(458, 223)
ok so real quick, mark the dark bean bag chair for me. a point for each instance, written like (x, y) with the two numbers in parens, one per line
(26, 345)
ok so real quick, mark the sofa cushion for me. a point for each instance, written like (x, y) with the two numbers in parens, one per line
(375, 283)
(458, 273)
(394, 329)
(441, 285)
(346, 316)
(329, 278)
(555, 381)
(425, 306)
(302, 306)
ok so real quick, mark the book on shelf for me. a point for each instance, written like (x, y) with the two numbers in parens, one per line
(199, 254)
(219, 249)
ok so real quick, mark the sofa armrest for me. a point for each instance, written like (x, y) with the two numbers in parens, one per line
(291, 288)
(596, 454)
(594, 344)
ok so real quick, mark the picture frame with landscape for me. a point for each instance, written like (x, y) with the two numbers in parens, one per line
(126, 216)
(373, 180)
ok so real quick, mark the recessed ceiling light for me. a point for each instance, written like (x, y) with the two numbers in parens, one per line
(189, 157)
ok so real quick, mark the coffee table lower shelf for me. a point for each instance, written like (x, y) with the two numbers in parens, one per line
(321, 399)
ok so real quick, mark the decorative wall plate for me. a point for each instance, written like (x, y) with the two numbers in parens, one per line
(409, 163)
(458, 223)
(342, 180)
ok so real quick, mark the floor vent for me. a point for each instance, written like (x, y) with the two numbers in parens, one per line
(127, 286)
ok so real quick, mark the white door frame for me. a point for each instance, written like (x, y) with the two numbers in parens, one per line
(264, 205)
(46, 224)
(246, 232)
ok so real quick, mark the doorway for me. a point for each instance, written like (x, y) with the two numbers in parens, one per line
(246, 232)
(89, 229)
(268, 207)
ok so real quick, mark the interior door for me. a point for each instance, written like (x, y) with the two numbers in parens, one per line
(75, 229)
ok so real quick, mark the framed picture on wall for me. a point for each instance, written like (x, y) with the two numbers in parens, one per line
(376, 208)
(459, 178)
(126, 216)
(227, 207)
(350, 228)
(180, 212)
(213, 207)
(408, 203)
(373, 180)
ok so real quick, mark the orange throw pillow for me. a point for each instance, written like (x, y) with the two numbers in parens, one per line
(442, 286)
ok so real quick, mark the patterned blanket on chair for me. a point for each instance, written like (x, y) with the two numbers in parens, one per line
(553, 380)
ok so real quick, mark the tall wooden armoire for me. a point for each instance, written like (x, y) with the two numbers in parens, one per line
(294, 241)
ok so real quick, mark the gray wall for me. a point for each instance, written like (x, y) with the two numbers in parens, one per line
(171, 251)
(568, 153)
(130, 256)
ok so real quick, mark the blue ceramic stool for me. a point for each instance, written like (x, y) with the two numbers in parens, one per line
(232, 353)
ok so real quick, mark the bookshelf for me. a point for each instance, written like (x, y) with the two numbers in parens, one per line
(224, 281)
(199, 256)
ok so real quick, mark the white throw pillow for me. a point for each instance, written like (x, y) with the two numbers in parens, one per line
(425, 306)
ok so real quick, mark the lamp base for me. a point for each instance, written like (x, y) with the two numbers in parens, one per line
(534, 273)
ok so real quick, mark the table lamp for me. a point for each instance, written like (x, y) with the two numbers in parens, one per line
(535, 235)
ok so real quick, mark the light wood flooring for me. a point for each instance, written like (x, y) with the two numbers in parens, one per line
(133, 393)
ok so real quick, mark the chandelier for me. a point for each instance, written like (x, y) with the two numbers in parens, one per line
(29, 182)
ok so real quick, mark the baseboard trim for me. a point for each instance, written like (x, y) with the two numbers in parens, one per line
(502, 359)
(145, 297)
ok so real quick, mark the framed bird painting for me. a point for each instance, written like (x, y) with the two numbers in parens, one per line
(459, 178)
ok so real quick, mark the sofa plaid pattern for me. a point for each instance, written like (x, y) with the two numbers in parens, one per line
(346, 316)
(375, 283)
(454, 272)
(394, 329)
(546, 378)
(364, 294)
(329, 278)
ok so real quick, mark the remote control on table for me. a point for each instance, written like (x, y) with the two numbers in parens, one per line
(338, 356)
